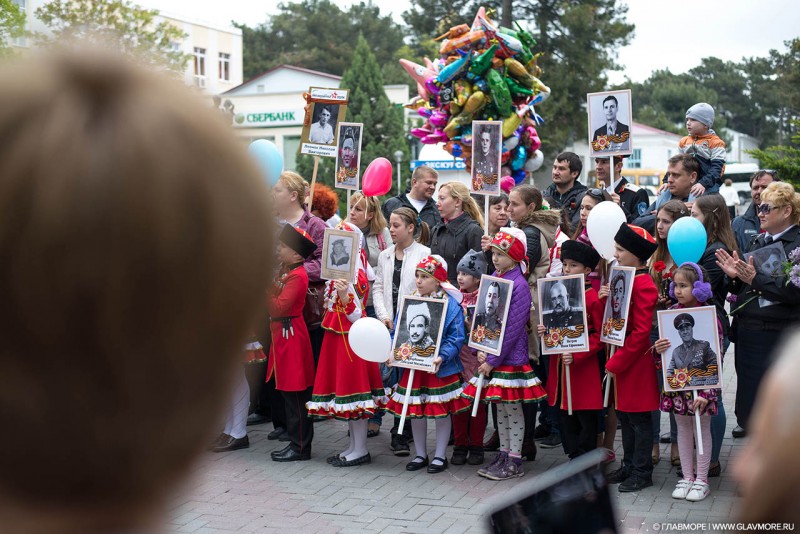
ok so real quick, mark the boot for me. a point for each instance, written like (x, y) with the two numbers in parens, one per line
(493, 444)
(529, 450)
(459, 456)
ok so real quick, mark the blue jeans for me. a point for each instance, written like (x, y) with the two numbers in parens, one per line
(719, 421)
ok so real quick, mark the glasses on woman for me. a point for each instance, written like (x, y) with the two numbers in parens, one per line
(766, 208)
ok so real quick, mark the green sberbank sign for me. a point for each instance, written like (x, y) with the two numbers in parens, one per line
(267, 119)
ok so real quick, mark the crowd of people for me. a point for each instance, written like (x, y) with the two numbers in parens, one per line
(412, 244)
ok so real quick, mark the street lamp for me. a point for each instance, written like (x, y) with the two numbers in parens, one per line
(398, 157)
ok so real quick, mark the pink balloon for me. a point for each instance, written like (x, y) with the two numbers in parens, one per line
(377, 179)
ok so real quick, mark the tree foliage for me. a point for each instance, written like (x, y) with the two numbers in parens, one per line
(383, 132)
(119, 23)
(319, 35)
(783, 158)
(12, 24)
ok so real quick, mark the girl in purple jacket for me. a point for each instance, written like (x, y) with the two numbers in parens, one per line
(509, 379)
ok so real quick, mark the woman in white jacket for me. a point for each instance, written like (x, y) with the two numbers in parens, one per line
(395, 276)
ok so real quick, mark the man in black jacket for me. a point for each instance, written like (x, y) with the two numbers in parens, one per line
(632, 199)
(747, 226)
(419, 198)
(563, 193)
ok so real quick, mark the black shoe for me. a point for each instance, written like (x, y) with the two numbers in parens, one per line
(399, 445)
(715, 470)
(283, 450)
(341, 462)
(459, 456)
(529, 450)
(493, 444)
(416, 466)
(221, 440)
(739, 432)
(232, 444)
(334, 458)
(475, 456)
(552, 441)
(665, 438)
(433, 468)
(541, 432)
(290, 455)
(278, 433)
(257, 419)
(635, 483)
(620, 475)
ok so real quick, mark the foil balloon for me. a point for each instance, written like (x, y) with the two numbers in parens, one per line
(534, 162)
(507, 183)
(519, 176)
(520, 155)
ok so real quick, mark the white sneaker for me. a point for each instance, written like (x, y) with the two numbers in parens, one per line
(682, 489)
(699, 491)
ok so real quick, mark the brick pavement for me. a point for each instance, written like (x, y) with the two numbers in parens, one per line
(244, 491)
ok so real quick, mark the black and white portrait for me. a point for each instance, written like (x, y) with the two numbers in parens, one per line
(768, 261)
(610, 117)
(419, 332)
(562, 311)
(339, 250)
(491, 312)
(692, 360)
(325, 110)
(348, 155)
(487, 138)
(615, 315)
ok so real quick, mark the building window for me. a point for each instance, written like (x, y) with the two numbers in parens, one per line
(224, 67)
(200, 67)
(21, 40)
(635, 159)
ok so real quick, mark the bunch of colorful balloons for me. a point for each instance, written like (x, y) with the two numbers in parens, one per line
(485, 72)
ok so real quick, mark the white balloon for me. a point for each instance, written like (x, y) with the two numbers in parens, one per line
(602, 225)
(534, 162)
(370, 340)
(511, 143)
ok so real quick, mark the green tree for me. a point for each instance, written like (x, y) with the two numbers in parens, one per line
(783, 158)
(12, 24)
(319, 35)
(383, 132)
(119, 23)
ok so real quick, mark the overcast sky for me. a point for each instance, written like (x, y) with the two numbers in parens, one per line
(674, 34)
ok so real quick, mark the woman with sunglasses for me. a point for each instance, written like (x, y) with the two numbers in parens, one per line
(765, 304)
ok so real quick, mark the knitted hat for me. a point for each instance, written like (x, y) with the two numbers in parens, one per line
(435, 267)
(513, 243)
(636, 240)
(473, 263)
(580, 252)
(682, 319)
(701, 112)
(297, 240)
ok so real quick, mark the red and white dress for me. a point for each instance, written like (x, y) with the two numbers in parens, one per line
(346, 387)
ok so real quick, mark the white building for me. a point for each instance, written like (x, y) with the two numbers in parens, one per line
(271, 106)
(740, 142)
(216, 51)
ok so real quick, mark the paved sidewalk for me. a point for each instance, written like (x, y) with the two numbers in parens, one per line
(244, 491)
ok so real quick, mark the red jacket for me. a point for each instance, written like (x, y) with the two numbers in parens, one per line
(290, 355)
(586, 385)
(636, 387)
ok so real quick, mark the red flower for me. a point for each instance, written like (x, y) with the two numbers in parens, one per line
(659, 266)
(667, 276)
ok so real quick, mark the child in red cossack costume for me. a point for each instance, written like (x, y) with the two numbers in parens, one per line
(290, 355)
(433, 395)
(509, 380)
(346, 387)
(579, 430)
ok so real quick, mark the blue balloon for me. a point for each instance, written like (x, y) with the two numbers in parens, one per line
(518, 160)
(457, 150)
(686, 240)
(268, 158)
(518, 176)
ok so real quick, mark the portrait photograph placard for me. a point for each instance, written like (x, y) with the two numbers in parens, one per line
(491, 312)
(692, 361)
(348, 155)
(339, 255)
(768, 261)
(487, 148)
(326, 108)
(610, 118)
(615, 315)
(562, 311)
(419, 332)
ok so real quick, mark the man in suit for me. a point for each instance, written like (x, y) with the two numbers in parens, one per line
(612, 127)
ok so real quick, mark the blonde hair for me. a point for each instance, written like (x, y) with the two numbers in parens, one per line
(132, 227)
(782, 194)
(378, 222)
(459, 191)
(295, 184)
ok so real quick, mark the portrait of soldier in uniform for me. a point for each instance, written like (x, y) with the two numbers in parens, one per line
(693, 354)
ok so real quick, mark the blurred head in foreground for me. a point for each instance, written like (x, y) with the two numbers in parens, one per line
(768, 468)
(132, 238)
